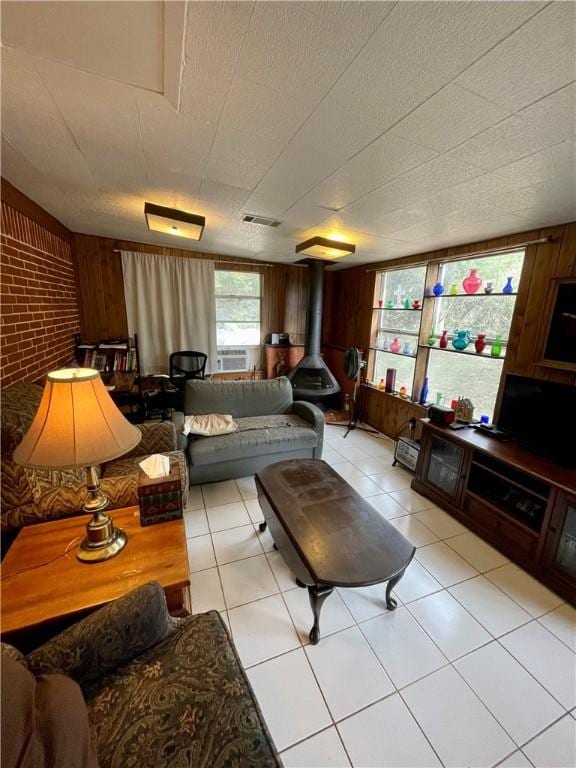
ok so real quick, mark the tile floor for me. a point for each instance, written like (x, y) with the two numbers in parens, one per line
(476, 667)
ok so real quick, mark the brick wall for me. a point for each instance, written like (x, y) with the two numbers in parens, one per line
(39, 302)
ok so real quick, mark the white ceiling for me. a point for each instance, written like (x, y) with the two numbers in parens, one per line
(399, 126)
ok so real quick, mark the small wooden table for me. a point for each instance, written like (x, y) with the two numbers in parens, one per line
(42, 585)
(327, 533)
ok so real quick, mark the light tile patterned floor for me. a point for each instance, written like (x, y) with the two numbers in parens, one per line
(476, 667)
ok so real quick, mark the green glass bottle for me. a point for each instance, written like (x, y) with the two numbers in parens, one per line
(496, 350)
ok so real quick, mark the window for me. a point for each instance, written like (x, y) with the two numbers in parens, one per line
(238, 308)
(469, 374)
(465, 373)
(395, 324)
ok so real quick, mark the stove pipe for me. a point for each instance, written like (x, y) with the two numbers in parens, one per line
(312, 379)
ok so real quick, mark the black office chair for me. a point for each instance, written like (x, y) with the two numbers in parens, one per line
(186, 365)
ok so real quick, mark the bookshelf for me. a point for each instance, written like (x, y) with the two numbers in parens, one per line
(110, 356)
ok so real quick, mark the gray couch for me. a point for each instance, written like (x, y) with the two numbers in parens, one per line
(271, 427)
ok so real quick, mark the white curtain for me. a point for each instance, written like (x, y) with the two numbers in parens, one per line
(171, 305)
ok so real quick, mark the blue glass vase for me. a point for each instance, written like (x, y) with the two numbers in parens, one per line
(508, 287)
(424, 392)
(438, 289)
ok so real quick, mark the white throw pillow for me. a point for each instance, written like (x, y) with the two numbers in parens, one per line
(209, 425)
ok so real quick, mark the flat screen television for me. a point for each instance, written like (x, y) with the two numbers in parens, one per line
(541, 415)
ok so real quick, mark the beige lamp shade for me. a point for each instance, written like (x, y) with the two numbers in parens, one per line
(77, 424)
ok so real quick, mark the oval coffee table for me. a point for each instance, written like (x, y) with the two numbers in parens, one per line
(328, 535)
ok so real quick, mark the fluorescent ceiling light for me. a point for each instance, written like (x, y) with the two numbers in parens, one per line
(169, 221)
(323, 248)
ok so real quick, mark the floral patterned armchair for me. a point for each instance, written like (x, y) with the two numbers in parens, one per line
(34, 496)
(160, 692)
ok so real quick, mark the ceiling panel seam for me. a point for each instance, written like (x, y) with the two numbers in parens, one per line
(223, 107)
(391, 127)
(319, 104)
(67, 127)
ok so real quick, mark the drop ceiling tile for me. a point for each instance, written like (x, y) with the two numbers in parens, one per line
(546, 165)
(553, 117)
(510, 140)
(286, 42)
(96, 37)
(112, 147)
(448, 118)
(381, 161)
(447, 37)
(535, 60)
(240, 159)
(214, 38)
(33, 124)
(546, 196)
(220, 199)
(439, 173)
(173, 141)
(389, 197)
(263, 111)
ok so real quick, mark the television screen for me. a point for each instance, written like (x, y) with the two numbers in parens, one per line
(541, 414)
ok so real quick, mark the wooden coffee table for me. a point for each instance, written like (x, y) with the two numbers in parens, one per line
(327, 533)
(41, 585)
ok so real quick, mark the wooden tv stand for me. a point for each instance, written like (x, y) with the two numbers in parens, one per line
(522, 504)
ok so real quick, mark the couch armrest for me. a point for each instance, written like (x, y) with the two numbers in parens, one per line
(315, 417)
(178, 422)
(157, 437)
(108, 638)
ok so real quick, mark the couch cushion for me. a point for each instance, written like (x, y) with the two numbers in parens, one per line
(238, 398)
(186, 702)
(277, 433)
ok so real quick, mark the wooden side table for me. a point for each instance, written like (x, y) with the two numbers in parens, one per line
(42, 586)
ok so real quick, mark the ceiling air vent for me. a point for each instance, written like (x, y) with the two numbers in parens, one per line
(263, 221)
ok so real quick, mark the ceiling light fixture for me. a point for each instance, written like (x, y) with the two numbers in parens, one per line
(160, 219)
(324, 248)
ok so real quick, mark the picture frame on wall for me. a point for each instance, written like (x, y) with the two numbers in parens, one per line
(559, 343)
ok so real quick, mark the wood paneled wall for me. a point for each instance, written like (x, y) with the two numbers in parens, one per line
(351, 294)
(102, 307)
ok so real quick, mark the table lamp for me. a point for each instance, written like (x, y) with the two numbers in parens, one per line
(78, 425)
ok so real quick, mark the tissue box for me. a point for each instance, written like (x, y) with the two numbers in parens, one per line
(159, 498)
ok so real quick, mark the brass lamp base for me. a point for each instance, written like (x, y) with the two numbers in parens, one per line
(102, 540)
(89, 552)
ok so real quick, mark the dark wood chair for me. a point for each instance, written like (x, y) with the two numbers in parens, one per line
(186, 365)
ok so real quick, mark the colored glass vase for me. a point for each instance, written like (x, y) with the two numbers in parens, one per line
(431, 340)
(385, 344)
(461, 340)
(480, 343)
(406, 348)
(443, 340)
(424, 392)
(472, 283)
(508, 287)
(406, 303)
(395, 345)
(453, 290)
(438, 289)
(488, 286)
(496, 350)
(416, 304)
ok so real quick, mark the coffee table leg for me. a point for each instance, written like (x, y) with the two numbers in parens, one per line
(391, 603)
(317, 595)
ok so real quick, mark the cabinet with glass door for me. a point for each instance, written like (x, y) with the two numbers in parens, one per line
(560, 550)
(443, 466)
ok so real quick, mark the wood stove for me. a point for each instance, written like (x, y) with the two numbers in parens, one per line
(311, 379)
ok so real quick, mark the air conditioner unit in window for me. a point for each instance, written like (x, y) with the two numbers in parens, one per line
(232, 360)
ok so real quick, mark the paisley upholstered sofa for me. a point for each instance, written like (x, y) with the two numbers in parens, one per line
(33, 496)
(159, 692)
